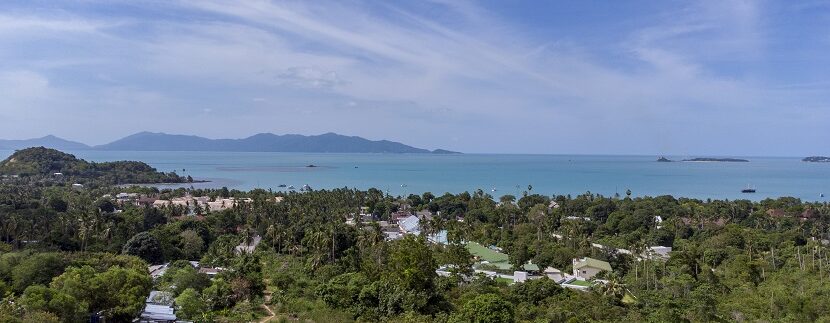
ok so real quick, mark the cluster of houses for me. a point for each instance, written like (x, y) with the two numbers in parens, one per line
(492, 262)
(582, 277)
(400, 224)
(160, 306)
(203, 204)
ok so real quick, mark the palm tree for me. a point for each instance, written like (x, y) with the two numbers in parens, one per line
(318, 241)
(613, 288)
(273, 235)
(636, 251)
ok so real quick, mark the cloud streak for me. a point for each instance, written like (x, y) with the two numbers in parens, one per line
(677, 81)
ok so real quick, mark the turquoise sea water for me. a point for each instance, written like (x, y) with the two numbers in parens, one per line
(548, 174)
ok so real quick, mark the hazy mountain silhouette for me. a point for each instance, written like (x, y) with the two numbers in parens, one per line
(263, 142)
(49, 141)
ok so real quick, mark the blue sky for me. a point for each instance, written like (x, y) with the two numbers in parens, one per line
(592, 77)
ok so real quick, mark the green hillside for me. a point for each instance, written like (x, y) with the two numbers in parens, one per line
(43, 163)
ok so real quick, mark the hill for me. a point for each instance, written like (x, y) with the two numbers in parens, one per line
(49, 141)
(817, 159)
(42, 163)
(264, 142)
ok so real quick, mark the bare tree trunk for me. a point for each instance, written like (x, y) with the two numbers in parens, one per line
(820, 267)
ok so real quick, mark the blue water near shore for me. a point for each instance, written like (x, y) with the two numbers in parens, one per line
(402, 174)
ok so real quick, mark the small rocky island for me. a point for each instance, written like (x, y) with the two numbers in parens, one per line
(817, 159)
(708, 159)
(663, 159)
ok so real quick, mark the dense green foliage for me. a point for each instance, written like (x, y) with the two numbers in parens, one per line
(145, 246)
(732, 260)
(43, 164)
(71, 286)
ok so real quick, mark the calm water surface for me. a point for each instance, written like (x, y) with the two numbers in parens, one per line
(548, 174)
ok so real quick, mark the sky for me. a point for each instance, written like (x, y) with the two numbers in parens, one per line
(739, 78)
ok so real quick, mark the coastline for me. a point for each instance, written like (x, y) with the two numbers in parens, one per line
(164, 184)
(548, 174)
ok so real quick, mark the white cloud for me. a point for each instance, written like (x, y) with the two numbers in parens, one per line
(17, 24)
(415, 76)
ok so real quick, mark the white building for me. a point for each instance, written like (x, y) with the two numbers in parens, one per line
(586, 268)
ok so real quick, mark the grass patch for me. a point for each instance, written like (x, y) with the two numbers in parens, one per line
(497, 260)
(485, 253)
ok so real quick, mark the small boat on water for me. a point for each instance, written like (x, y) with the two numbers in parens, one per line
(281, 185)
(493, 190)
(748, 189)
(290, 187)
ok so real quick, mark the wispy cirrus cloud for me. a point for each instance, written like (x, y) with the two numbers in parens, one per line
(673, 80)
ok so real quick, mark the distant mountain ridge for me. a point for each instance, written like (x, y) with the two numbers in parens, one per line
(263, 142)
(46, 141)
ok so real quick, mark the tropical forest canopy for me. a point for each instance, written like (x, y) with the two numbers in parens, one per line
(69, 253)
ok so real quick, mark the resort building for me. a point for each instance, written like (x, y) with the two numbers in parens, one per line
(554, 274)
(586, 268)
(205, 203)
(158, 308)
(156, 271)
(410, 224)
(519, 276)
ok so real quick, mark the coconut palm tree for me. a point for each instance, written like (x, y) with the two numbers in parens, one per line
(613, 288)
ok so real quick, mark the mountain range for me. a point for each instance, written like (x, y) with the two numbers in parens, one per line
(49, 141)
(263, 142)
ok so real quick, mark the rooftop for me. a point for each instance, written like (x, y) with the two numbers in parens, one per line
(593, 263)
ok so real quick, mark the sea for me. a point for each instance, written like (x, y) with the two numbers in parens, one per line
(495, 174)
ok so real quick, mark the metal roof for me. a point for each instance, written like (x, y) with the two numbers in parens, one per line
(593, 263)
(410, 224)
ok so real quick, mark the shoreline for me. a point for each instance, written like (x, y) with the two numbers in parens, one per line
(167, 184)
